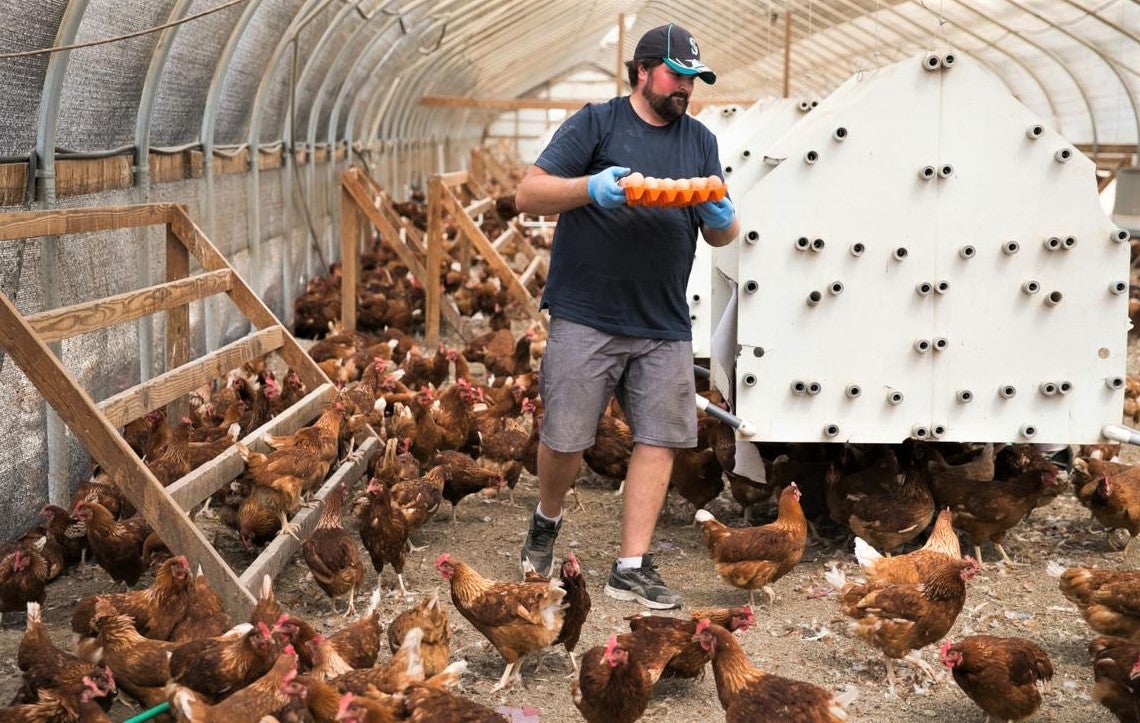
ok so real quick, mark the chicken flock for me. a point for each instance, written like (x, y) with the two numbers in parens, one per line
(450, 431)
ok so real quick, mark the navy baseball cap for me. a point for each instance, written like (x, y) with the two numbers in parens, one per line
(677, 48)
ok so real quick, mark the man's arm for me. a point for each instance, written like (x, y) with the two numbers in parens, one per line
(542, 194)
(722, 237)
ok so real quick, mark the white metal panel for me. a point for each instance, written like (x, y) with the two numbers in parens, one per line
(867, 189)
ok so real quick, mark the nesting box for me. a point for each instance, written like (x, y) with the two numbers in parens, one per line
(742, 137)
(924, 257)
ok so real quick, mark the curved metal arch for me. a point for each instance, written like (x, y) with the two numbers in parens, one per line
(340, 70)
(1095, 14)
(287, 130)
(145, 115)
(359, 91)
(409, 109)
(305, 14)
(363, 97)
(835, 76)
(253, 219)
(345, 77)
(211, 307)
(50, 99)
(893, 9)
(857, 48)
(143, 120)
(217, 82)
(415, 73)
(59, 489)
(1049, 54)
(1096, 51)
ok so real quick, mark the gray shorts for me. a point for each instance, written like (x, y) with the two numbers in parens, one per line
(652, 378)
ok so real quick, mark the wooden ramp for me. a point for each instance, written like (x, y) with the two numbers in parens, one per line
(362, 196)
(441, 196)
(25, 339)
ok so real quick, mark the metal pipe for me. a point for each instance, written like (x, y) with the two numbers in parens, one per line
(301, 19)
(743, 426)
(1120, 433)
(59, 488)
(209, 126)
(143, 121)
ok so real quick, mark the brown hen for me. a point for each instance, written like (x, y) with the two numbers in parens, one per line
(752, 558)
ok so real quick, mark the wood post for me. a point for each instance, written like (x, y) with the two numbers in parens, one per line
(349, 259)
(434, 256)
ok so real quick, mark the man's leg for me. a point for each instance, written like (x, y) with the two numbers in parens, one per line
(646, 483)
(556, 474)
(634, 576)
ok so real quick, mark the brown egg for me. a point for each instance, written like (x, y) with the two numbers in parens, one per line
(633, 179)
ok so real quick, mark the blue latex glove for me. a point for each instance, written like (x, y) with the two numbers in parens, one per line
(717, 215)
(604, 189)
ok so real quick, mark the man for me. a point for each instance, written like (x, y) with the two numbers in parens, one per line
(616, 295)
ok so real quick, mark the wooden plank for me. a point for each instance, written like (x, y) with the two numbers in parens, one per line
(497, 172)
(276, 554)
(80, 176)
(483, 205)
(350, 259)
(474, 186)
(14, 184)
(502, 238)
(493, 259)
(432, 291)
(531, 269)
(90, 316)
(248, 302)
(177, 318)
(167, 167)
(353, 184)
(228, 165)
(269, 159)
(193, 488)
(110, 450)
(31, 224)
(150, 395)
(455, 178)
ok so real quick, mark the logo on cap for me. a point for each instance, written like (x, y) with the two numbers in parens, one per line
(693, 47)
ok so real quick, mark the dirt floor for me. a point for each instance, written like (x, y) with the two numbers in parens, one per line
(803, 635)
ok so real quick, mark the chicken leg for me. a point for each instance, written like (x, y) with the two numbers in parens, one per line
(351, 603)
(890, 672)
(921, 665)
(511, 673)
(289, 528)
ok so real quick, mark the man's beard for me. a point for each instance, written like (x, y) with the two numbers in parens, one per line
(668, 107)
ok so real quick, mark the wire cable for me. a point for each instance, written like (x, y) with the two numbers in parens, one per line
(117, 38)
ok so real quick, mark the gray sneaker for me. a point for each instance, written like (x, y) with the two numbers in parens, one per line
(642, 584)
(538, 549)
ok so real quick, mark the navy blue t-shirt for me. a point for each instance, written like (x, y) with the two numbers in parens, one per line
(624, 271)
